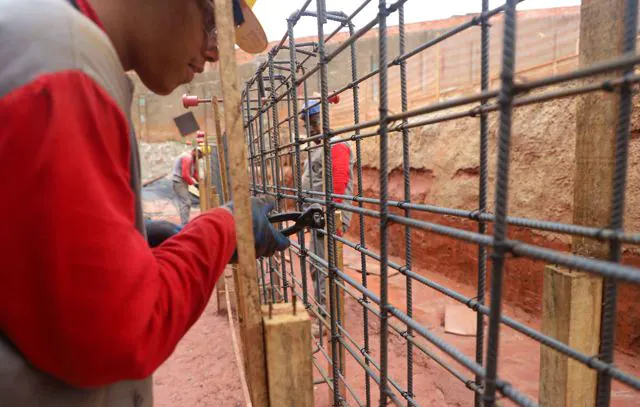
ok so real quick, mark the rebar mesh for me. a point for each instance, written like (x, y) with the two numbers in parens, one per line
(279, 151)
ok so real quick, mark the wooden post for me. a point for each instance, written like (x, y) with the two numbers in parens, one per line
(202, 186)
(289, 366)
(222, 163)
(222, 160)
(207, 171)
(340, 294)
(248, 301)
(572, 300)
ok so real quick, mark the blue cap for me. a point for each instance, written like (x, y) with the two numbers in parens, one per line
(313, 110)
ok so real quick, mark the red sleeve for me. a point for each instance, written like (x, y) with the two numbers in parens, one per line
(340, 163)
(186, 170)
(81, 294)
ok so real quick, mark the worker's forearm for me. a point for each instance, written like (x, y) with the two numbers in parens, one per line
(144, 309)
(83, 297)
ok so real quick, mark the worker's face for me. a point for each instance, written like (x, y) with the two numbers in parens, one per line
(176, 40)
(314, 123)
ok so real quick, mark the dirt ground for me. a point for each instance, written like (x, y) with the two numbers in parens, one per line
(203, 371)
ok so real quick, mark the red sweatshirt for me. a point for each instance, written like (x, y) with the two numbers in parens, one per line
(82, 296)
(185, 169)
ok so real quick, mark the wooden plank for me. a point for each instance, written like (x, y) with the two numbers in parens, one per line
(571, 308)
(572, 301)
(206, 154)
(222, 160)
(289, 366)
(596, 120)
(234, 340)
(247, 296)
(223, 176)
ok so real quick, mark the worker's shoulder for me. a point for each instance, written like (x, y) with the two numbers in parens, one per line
(47, 36)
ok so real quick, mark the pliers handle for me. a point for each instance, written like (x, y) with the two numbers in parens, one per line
(312, 217)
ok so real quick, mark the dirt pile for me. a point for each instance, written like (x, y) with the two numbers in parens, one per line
(157, 158)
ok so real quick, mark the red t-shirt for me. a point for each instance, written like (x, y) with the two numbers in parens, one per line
(82, 296)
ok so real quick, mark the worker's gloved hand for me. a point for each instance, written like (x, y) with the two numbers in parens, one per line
(267, 239)
(160, 230)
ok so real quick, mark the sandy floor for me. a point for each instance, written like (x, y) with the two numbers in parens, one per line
(203, 372)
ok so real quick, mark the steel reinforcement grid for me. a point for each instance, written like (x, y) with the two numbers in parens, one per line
(272, 107)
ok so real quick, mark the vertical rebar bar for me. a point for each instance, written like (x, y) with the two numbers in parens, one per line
(406, 175)
(363, 244)
(277, 167)
(326, 129)
(501, 200)
(482, 195)
(298, 171)
(270, 161)
(252, 164)
(610, 288)
(383, 110)
(264, 172)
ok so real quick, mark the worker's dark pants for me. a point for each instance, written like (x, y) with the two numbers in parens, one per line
(318, 273)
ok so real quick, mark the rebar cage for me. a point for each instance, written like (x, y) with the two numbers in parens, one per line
(279, 151)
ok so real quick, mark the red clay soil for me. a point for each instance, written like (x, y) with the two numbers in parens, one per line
(434, 386)
(458, 260)
(202, 371)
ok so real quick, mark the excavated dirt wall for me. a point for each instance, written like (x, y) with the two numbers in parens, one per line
(444, 161)
(445, 172)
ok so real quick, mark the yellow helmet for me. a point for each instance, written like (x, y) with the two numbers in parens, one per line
(250, 35)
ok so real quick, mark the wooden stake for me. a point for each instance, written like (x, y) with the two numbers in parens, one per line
(222, 160)
(288, 343)
(202, 194)
(207, 172)
(248, 301)
(572, 301)
(234, 341)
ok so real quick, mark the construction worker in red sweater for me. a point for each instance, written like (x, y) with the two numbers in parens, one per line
(88, 311)
(342, 162)
(185, 173)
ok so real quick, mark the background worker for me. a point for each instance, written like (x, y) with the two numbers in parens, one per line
(342, 162)
(185, 173)
(88, 311)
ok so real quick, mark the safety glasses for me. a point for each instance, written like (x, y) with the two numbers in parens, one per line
(210, 24)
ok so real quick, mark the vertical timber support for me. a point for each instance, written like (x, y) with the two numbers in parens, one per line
(222, 162)
(572, 300)
(289, 366)
(571, 313)
(248, 301)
